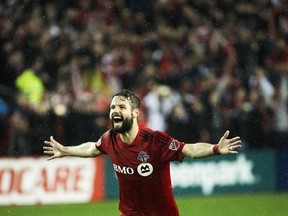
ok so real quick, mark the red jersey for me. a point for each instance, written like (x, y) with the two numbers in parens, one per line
(143, 171)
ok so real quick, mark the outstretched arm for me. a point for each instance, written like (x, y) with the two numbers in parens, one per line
(56, 150)
(224, 146)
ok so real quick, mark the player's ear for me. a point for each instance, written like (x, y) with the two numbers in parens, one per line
(136, 112)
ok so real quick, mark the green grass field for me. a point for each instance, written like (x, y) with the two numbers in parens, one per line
(228, 205)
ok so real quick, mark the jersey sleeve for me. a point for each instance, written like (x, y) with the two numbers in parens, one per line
(102, 143)
(170, 148)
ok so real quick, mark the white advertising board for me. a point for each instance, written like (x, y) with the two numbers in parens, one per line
(25, 181)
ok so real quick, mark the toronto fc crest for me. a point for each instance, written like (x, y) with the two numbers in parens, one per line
(143, 157)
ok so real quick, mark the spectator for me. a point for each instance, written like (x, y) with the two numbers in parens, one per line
(232, 54)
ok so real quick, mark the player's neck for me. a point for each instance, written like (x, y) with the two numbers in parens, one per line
(130, 136)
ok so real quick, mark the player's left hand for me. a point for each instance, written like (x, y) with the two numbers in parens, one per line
(229, 146)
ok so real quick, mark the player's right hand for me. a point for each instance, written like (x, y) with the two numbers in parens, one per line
(53, 149)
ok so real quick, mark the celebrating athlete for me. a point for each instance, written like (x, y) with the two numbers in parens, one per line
(144, 154)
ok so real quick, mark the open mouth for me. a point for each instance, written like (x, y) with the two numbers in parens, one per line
(117, 120)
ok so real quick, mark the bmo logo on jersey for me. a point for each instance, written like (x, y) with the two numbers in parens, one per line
(145, 169)
(123, 170)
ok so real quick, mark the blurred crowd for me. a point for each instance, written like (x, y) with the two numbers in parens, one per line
(200, 67)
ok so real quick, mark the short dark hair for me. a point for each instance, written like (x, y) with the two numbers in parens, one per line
(129, 95)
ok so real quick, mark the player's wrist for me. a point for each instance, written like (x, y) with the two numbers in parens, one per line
(216, 150)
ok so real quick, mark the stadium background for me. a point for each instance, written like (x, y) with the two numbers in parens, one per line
(200, 67)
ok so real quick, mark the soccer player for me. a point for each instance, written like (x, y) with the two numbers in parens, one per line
(141, 157)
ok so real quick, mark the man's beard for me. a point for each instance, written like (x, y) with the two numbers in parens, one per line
(126, 126)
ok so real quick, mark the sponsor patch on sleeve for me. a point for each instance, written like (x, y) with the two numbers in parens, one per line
(174, 145)
(98, 143)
